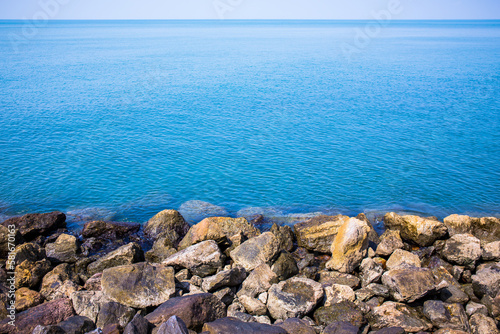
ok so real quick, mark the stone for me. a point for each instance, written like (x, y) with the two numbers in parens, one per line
(225, 295)
(390, 240)
(256, 251)
(61, 282)
(252, 305)
(493, 305)
(174, 325)
(112, 329)
(341, 327)
(481, 324)
(487, 229)
(88, 303)
(372, 290)
(94, 283)
(349, 246)
(114, 313)
(285, 266)
(392, 314)
(65, 249)
(202, 259)
(462, 249)
(459, 224)
(337, 293)
(259, 280)
(444, 315)
(491, 251)
(421, 231)
(402, 258)
(34, 224)
(343, 311)
(29, 251)
(285, 236)
(5, 233)
(390, 330)
(46, 314)
(294, 297)
(235, 309)
(26, 298)
(162, 249)
(29, 274)
(473, 308)
(453, 292)
(231, 277)
(317, 234)
(334, 277)
(125, 255)
(76, 325)
(195, 210)
(409, 284)
(487, 281)
(370, 271)
(138, 325)
(109, 230)
(233, 325)
(168, 224)
(450, 331)
(242, 316)
(194, 310)
(139, 285)
(296, 326)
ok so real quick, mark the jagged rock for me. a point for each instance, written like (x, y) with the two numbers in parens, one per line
(450, 331)
(296, 326)
(390, 240)
(453, 292)
(420, 230)
(294, 297)
(46, 314)
(372, 290)
(481, 324)
(253, 305)
(109, 230)
(65, 249)
(231, 277)
(174, 325)
(76, 325)
(444, 315)
(462, 249)
(194, 310)
(26, 298)
(5, 233)
(341, 327)
(402, 258)
(486, 229)
(125, 255)
(94, 283)
(349, 246)
(112, 329)
(195, 211)
(493, 305)
(491, 251)
(487, 281)
(233, 325)
(370, 271)
(391, 314)
(138, 325)
(337, 293)
(318, 233)
(285, 236)
(168, 224)
(61, 282)
(285, 266)
(259, 280)
(473, 308)
(235, 308)
(225, 295)
(162, 249)
(139, 285)
(459, 224)
(334, 277)
(202, 259)
(409, 284)
(256, 251)
(29, 274)
(343, 311)
(88, 303)
(29, 251)
(114, 313)
(34, 224)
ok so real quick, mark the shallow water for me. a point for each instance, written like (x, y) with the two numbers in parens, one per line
(118, 120)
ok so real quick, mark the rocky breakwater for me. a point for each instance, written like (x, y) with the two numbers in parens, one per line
(330, 274)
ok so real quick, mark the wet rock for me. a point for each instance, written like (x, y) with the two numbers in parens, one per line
(139, 285)
(194, 310)
(409, 284)
(253, 305)
(391, 314)
(76, 325)
(162, 249)
(174, 325)
(370, 271)
(61, 282)
(114, 313)
(50, 313)
(168, 224)
(491, 251)
(481, 324)
(444, 315)
(421, 231)
(294, 297)
(225, 295)
(34, 224)
(341, 327)
(318, 233)
(138, 325)
(65, 249)
(390, 240)
(88, 303)
(337, 293)
(285, 236)
(285, 266)
(26, 298)
(195, 211)
(343, 311)
(233, 325)
(125, 255)
(29, 274)
(202, 259)
(487, 281)
(349, 246)
(296, 326)
(259, 280)
(231, 277)
(402, 258)
(256, 251)
(462, 249)
(334, 277)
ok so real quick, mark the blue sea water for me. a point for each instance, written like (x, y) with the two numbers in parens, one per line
(120, 119)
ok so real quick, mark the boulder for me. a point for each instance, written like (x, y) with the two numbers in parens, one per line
(32, 225)
(76, 325)
(341, 327)
(61, 282)
(174, 325)
(259, 281)
(29, 251)
(317, 233)
(94, 283)
(285, 266)
(334, 277)
(409, 284)
(64, 249)
(233, 325)
(390, 240)
(162, 249)
(294, 297)
(168, 224)
(422, 231)
(15, 239)
(88, 303)
(391, 314)
(481, 324)
(138, 325)
(225, 278)
(343, 311)
(370, 271)
(491, 251)
(125, 255)
(487, 229)
(109, 230)
(139, 285)
(453, 292)
(337, 293)
(444, 315)
(285, 236)
(202, 259)
(114, 313)
(26, 298)
(225, 295)
(462, 249)
(29, 274)
(194, 211)
(487, 281)
(402, 258)
(371, 291)
(256, 251)
(296, 326)
(349, 246)
(459, 224)
(473, 308)
(252, 305)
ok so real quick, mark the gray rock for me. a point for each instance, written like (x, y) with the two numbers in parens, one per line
(453, 292)
(390, 330)
(228, 278)
(491, 251)
(390, 240)
(285, 266)
(168, 224)
(174, 325)
(138, 325)
(88, 303)
(225, 295)
(202, 259)
(487, 281)
(162, 249)
(256, 251)
(285, 236)
(259, 280)
(372, 290)
(341, 327)
(481, 324)
(462, 249)
(473, 308)
(64, 249)
(402, 258)
(371, 272)
(114, 313)
(343, 311)
(409, 284)
(337, 293)
(391, 314)
(334, 277)
(252, 305)
(444, 315)
(125, 255)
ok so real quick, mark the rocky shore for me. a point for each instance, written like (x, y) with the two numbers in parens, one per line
(329, 274)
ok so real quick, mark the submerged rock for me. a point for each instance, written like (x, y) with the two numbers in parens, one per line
(195, 210)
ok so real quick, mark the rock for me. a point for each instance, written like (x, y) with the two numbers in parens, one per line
(233, 325)
(317, 234)
(26, 298)
(138, 325)
(174, 325)
(459, 224)
(285, 236)
(487, 281)
(232, 277)
(235, 309)
(256, 251)
(296, 326)
(5, 233)
(372, 290)
(449, 331)
(444, 315)
(109, 230)
(61, 282)
(285, 266)
(340, 327)
(491, 251)
(242, 316)
(259, 280)
(334, 277)
(76, 325)
(46, 314)
(493, 305)
(94, 283)
(65, 249)
(462, 249)
(225, 295)
(88, 303)
(473, 308)
(195, 211)
(194, 310)
(139, 285)
(29, 274)
(343, 311)
(409, 284)
(453, 293)
(391, 314)
(162, 249)
(481, 324)
(421, 231)
(29, 251)
(112, 329)
(370, 271)
(125, 255)
(486, 229)
(253, 305)
(337, 293)
(294, 297)
(114, 313)
(402, 258)
(390, 330)
(34, 224)
(168, 224)
(349, 246)
(390, 240)
(202, 259)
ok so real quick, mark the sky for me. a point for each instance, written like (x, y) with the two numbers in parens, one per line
(248, 9)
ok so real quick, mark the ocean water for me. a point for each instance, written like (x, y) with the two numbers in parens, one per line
(118, 120)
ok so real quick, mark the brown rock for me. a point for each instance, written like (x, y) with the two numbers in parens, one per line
(256, 251)
(334, 277)
(259, 280)
(26, 298)
(168, 224)
(30, 274)
(127, 254)
(422, 231)
(409, 284)
(233, 325)
(390, 240)
(34, 224)
(391, 314)
(109, 230)
(285, 236)
(317, 234)
(343, 311)
(202, 259)
(296, 326)
(64, 249)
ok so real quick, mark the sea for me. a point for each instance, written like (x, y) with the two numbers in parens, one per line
(118, 120)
